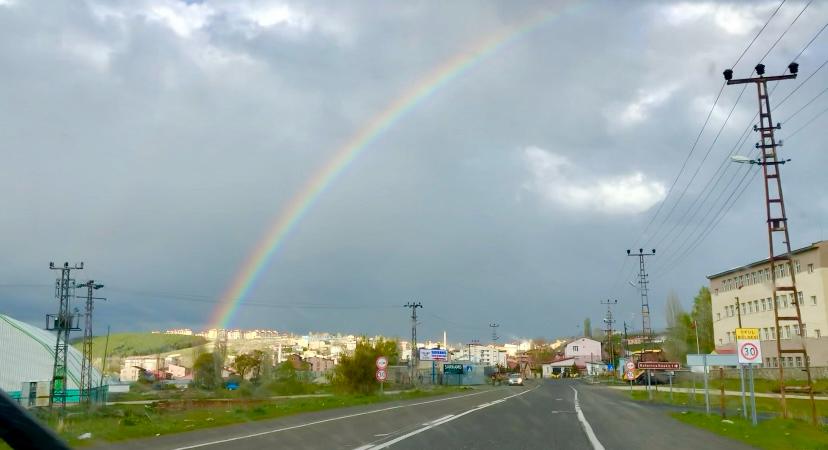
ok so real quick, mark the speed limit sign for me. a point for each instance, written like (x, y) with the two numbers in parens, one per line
(748, 346)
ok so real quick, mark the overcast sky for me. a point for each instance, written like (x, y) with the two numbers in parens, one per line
(158, 140)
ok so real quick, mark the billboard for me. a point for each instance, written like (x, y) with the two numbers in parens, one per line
(433, 354)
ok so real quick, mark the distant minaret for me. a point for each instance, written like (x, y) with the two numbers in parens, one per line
(444, 340)
(279, 354)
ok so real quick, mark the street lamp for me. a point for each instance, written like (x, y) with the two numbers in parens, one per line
(739, 159)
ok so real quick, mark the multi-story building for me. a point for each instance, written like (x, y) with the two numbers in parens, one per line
(744, 293)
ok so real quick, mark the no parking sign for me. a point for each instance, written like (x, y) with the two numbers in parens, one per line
(748, 346)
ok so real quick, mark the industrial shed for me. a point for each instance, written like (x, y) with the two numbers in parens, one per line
(26, 361)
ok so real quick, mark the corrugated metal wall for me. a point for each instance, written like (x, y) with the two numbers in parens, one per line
(27, 354)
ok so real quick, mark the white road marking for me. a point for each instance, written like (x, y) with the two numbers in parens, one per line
(428, 427)
(364, 447)
(381, 434)
(348, 416)
(438, 420)
(596, 444)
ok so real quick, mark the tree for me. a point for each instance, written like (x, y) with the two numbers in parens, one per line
(703, 317)
(204, 373)
(587, 328)
(248, 362)
(678, 329)
(355, 373)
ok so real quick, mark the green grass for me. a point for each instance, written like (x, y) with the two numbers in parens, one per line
(798, 408)
(122, 422)
(760, 385)
(132, 344)
(776, 434)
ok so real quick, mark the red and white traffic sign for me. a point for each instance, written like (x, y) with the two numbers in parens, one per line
(630, 375)
(381, 375)
(382, 362)
(630, 366)
(748, 347)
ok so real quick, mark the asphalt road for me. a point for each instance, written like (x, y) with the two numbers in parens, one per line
(555, 414)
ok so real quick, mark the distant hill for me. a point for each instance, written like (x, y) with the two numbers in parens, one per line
(130, 344)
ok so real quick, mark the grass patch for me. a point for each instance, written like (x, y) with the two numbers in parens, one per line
(775, 434)
(759, 384)
(122, 422)
(131, 344)
(798, 408)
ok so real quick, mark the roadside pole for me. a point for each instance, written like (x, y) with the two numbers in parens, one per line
(649, 389)
(742, 381)
(670, 375)
(722, 393)
(706, 390)
(752, 396)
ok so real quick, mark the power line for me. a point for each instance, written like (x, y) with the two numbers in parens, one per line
(802, 83)
(807, 104)
(807, 123)
(786, 30)
(757, 35)
(704, 125)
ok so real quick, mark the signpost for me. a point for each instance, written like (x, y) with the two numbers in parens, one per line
(749, 351)
(381, 375)
(659, 365)
(457, 369)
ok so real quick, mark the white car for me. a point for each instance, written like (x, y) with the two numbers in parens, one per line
(515, 380)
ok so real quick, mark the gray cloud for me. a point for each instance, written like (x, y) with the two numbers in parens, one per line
(158, 140)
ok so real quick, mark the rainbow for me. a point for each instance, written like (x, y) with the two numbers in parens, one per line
(304, 200)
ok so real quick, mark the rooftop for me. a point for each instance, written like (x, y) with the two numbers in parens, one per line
(761, 262)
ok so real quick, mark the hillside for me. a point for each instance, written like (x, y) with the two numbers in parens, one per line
(129, 344)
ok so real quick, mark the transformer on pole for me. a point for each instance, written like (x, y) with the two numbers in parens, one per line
(62, 323)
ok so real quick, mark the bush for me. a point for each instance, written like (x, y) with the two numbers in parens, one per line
(356, 373)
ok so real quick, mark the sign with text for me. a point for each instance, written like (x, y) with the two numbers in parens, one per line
(453, 368)
(748, 347)
(659, 365)
(433, 354)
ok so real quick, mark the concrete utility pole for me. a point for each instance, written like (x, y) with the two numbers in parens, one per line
(609, 321)
(646, 329)
(62, 323)
(777, 223)
(413, 361)
(86, 384)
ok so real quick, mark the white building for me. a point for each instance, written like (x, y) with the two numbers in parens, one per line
(583, 350)
(744, 294)
(489, 355)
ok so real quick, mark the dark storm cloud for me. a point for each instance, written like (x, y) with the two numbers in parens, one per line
(158, 140)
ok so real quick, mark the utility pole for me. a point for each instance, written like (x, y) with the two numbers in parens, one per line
(86, 363)
(413, 360)
(495, 337)
(62, 323)
(777, 222)
(646, 329)
(738, 312)
(609, 321)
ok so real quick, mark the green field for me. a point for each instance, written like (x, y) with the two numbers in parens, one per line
(131, 344)
(760, 385)
(775, 434)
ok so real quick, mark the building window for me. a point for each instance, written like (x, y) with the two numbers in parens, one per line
(790, 361)
(773, 333)
(716, 291)
(797, 266)
(756, 306)
(750, 307)
(799, 297)
(775, 361)
(784, 301)
(804, 330)
(787, 331)
(813, 299)
(718, 316)
(574, 348)
(764, 305)
(767, 361)
(810, 268)
(817, 333)
(796, 329)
